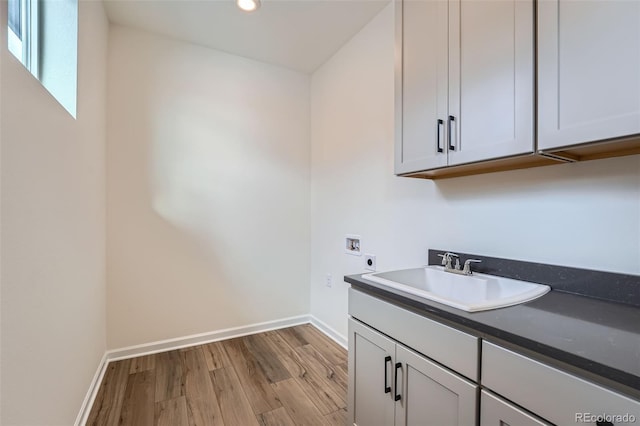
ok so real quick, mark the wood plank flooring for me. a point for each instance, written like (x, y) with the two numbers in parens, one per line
(290, 377)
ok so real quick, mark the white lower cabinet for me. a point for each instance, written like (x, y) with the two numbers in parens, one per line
(370, 376)
(430, 394)
(494, 411)
(390, 384)
(410, 370)
(552, 394)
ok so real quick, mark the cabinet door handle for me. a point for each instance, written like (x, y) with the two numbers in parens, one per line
(452, 147)
(439, 125)
(397, 396)
(387, 388)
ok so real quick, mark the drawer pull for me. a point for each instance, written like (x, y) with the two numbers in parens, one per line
(387, 388)
(395, 382)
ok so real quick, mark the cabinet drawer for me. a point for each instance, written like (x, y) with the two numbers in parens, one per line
(494, 411)
(453, 348)
(553, 394)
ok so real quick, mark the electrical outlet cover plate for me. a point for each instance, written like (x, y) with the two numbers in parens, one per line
(370, 262)
(328, 280)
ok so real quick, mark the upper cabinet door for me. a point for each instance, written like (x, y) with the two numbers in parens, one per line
(421, 85)
(588, 71)
(491, 86)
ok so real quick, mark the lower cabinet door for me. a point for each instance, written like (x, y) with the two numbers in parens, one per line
(494, 411)
(370, 376)
(430, 395)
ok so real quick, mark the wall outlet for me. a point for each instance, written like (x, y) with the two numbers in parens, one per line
(328, 280)
(370, 262)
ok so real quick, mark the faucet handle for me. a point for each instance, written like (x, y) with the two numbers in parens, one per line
(467, 265)
(446, 259)
(457, 266)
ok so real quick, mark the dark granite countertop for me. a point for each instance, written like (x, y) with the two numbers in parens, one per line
(598, 337)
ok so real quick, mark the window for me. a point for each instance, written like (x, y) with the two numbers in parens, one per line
(23, 32)
(14, 18)
(43, 35)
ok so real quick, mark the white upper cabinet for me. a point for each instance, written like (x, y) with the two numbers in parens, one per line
(588, 71)
(491, 87)
(464, 81)
(421, 84)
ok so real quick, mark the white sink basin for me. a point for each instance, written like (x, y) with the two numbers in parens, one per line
(471, 293)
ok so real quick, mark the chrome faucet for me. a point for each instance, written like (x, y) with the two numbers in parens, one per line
(448, 267)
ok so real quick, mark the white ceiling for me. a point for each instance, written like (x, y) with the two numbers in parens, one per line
(296, 34)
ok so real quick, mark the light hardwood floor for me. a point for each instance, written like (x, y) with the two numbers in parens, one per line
(293, 376)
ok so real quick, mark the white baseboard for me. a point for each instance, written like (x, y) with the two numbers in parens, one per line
(200, 339)
(330, 332)
(193, 340)
(94, 386)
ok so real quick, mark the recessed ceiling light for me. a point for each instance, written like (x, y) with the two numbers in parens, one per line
(248, 5)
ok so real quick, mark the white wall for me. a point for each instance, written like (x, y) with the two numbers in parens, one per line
(584, 215)
(53, 234)
(208, 190)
